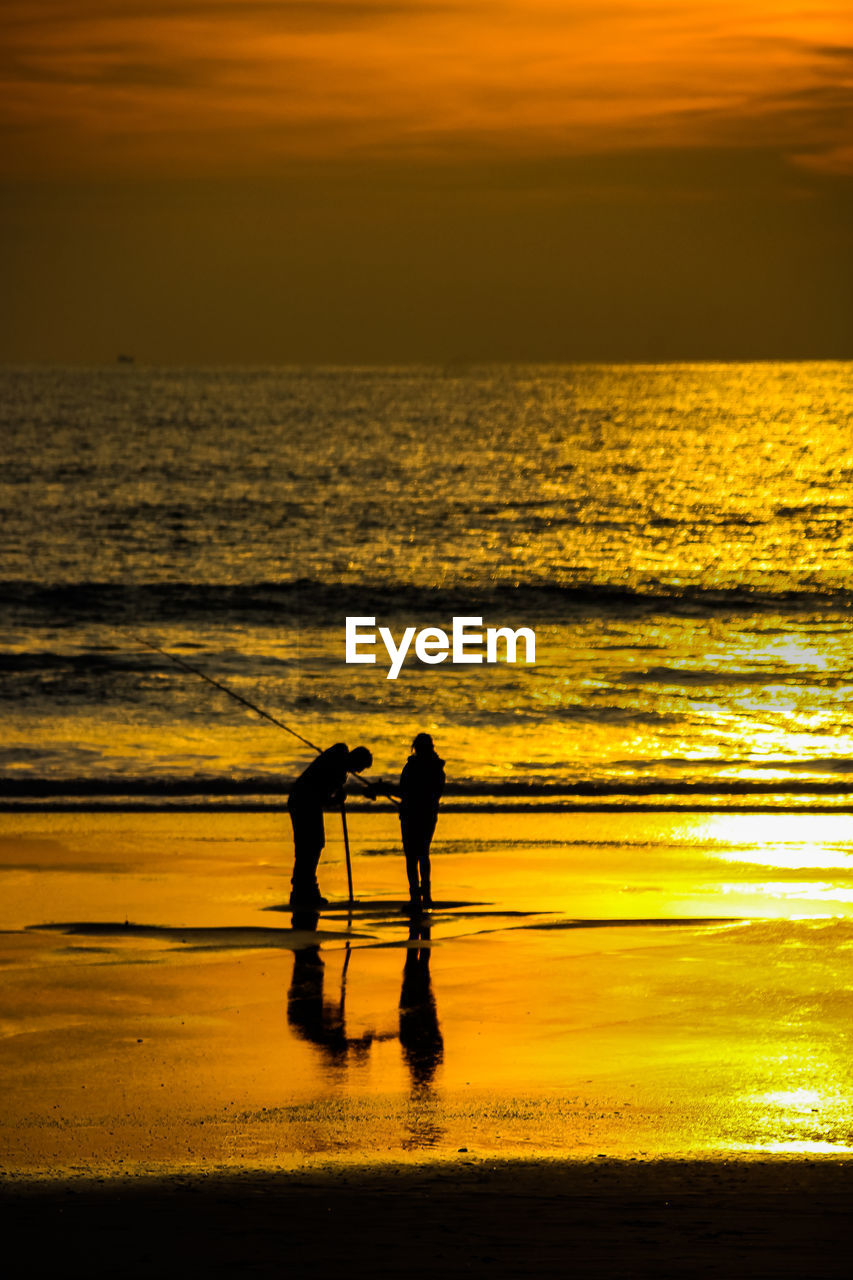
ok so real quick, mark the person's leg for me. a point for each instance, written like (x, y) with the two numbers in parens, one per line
(312, 862)
(414, 886)
(308, 841)
(425, 870)
(426, 886)
(410, 848)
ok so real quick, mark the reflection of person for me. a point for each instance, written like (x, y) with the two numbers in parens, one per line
(421, 785)
(420, 1034)
(320, 784)
(309, 1013)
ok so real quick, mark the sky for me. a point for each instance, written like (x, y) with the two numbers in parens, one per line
(375, 181)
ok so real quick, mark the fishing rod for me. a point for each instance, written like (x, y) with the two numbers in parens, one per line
(187, 666)
(231, 694)
(246, 703)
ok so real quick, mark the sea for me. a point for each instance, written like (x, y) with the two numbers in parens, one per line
(679, 537)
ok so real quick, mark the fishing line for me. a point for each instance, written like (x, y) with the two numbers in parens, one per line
(231, 694)
(187, 666)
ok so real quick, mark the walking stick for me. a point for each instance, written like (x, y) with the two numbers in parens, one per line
(346, 849)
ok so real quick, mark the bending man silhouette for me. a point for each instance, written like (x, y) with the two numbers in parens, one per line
(320, 784)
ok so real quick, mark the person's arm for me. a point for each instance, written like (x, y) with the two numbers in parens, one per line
(377, 787)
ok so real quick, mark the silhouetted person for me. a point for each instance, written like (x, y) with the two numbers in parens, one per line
(421, 785)
(420, 1035)
(321, 783)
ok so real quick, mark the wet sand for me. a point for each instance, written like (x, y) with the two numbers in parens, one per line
(619, 1046)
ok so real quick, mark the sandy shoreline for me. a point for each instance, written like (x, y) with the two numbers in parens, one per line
(620, 1049)
(602, 1218)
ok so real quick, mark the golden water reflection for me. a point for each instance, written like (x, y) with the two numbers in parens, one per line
(591, 991)
(320, 1019)
(773, 839)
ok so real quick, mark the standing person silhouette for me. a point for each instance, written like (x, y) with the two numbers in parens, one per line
(421, 785)
(320, 784)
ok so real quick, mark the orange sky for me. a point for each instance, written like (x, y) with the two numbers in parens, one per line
(541, 104)
(219, 85)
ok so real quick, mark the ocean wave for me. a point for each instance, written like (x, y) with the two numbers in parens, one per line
(318, 602)
(199, 785)
(706, 678)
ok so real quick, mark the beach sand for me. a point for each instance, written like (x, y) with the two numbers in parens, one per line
(606, 1219)
(623, 1050)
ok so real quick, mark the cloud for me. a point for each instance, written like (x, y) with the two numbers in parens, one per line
(843, 51)
(831, 161)
(224, 85)
(305, 15)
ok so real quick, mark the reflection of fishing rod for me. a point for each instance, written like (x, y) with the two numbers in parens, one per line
(347, 955)
(266, 715)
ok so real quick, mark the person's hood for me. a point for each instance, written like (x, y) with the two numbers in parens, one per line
(434, 759)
